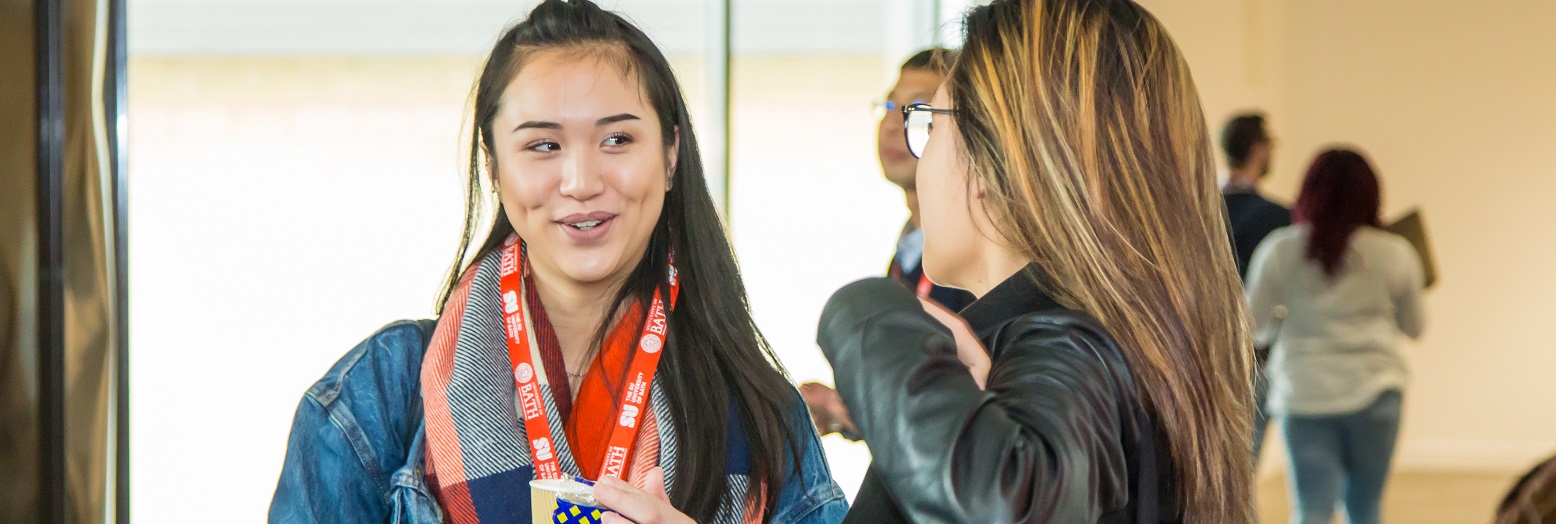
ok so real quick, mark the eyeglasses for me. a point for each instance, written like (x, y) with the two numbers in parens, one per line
(885, 105)
(884, 108)
(916, 120)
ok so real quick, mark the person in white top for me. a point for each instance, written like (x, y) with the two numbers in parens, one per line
(1334, 295)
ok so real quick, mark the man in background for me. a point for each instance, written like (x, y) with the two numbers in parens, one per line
(917, 80)
(1248, 146)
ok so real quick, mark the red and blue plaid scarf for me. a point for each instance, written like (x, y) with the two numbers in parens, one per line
(478, 459)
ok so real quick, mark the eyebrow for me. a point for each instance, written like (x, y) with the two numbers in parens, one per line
(536, 124)
(615, 118)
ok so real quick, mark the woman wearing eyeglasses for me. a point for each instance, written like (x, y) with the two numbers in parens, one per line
(598, 330)
(1103, 374)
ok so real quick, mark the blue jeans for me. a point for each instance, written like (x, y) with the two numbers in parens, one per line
(1344, 452)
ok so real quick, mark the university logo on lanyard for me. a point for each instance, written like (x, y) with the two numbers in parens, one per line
(640, 376)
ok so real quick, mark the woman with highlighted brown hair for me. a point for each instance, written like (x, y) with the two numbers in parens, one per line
(1104, 372)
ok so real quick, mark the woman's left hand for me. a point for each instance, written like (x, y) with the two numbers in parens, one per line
(649, 505)
(968, 349)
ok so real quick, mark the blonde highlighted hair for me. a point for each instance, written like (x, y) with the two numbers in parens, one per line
(1081, 121)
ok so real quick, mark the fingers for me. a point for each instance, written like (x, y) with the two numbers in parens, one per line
(612, 518)
(929, 305)
(824, 404)
(934, 308)
(654, 484)
(628, 501)
(980, 373)
(944, 316)
(960, 331)
(968, 348)
(822, 426)
(809, 388)
(846, 423)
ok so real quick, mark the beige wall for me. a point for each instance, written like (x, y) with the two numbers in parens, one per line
(1455, 102)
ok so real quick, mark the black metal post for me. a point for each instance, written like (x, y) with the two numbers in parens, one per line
(727, 84)
(115, 103)
(48, 28)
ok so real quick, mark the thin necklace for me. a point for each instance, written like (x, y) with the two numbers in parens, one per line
(579, 375)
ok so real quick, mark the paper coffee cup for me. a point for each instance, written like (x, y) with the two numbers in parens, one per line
(542, 499)
(574, 497)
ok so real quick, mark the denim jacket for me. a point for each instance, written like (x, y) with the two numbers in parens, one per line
(358, 440)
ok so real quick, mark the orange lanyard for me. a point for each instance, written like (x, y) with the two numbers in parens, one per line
(640, 375)
(924, 285)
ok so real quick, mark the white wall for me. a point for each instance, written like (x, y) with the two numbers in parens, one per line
(295, 178)
(281, 209)
(810, 208)
(1455, 102)
(452, 27)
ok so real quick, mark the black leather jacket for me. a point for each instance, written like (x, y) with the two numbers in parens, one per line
(1059, 435)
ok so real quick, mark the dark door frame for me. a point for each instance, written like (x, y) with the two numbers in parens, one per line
(49, 45)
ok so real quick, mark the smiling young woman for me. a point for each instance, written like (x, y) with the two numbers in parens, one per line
(600, 329)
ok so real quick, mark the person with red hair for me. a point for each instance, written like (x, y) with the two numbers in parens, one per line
(1332, 294)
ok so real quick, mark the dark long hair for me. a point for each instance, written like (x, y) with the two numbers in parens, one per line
(1339, 194)
(717, 366)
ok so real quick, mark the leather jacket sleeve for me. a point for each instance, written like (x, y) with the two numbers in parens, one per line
(1041, 444)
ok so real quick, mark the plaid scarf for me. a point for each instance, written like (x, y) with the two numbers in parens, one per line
(478, 458)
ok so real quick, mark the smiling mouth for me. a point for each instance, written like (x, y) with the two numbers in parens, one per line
(586, 225)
